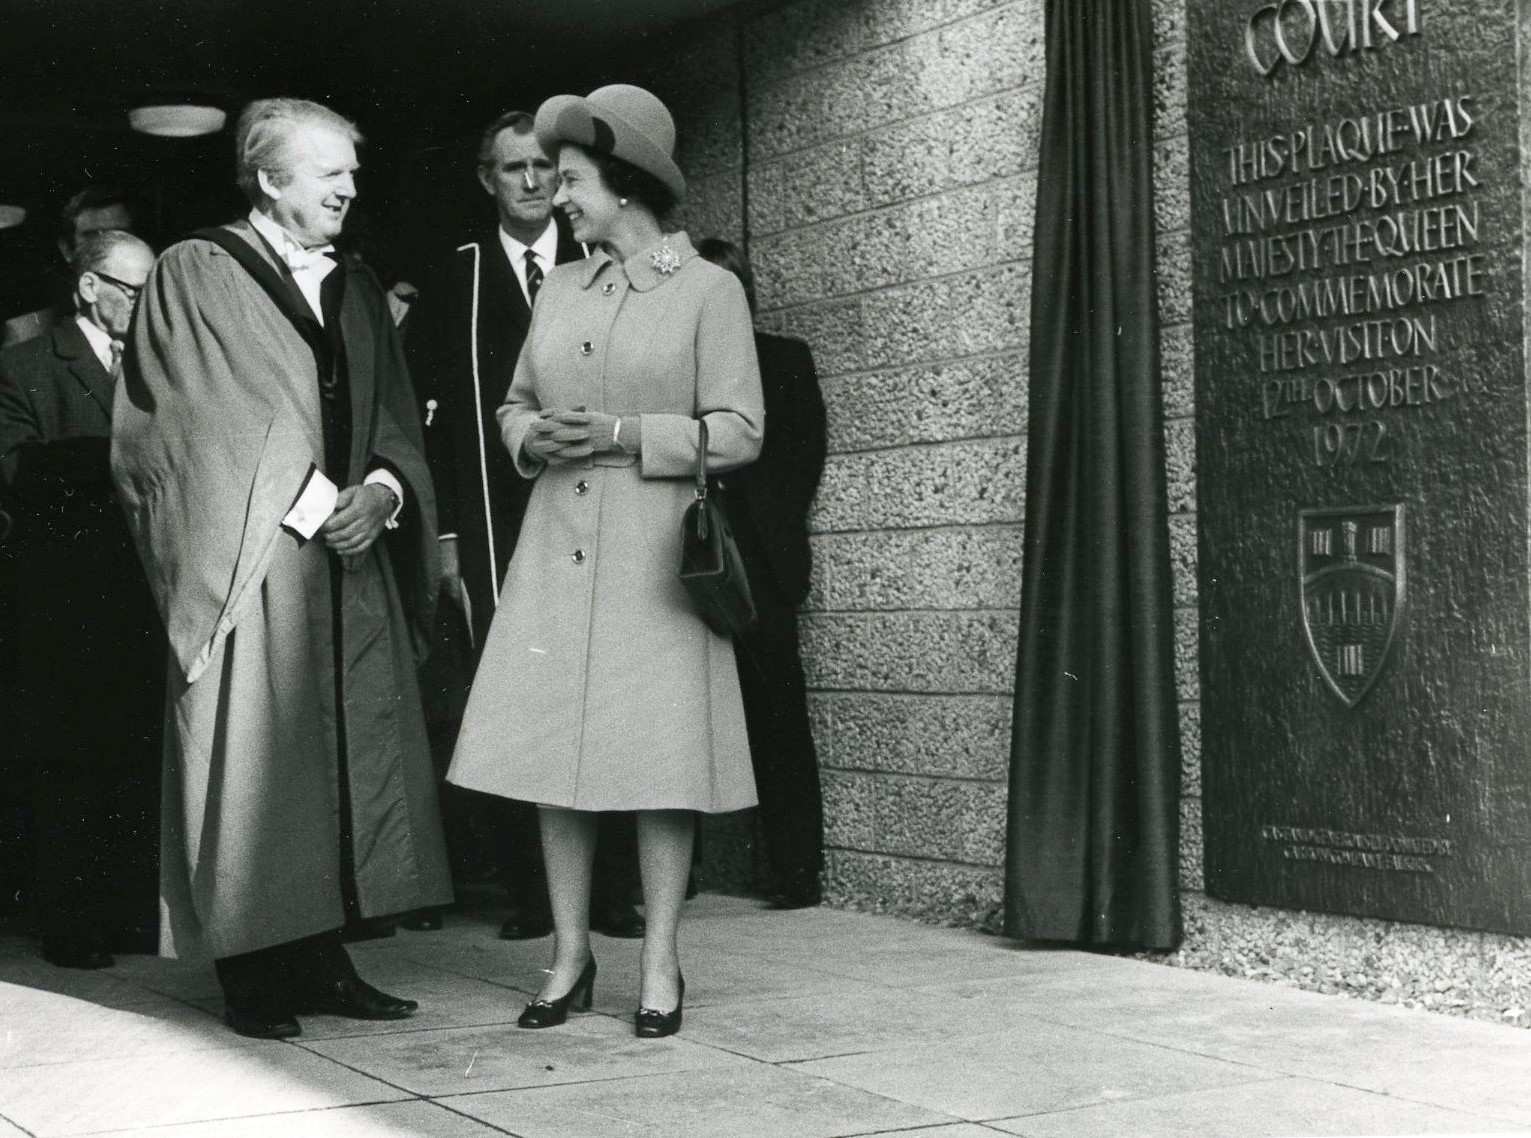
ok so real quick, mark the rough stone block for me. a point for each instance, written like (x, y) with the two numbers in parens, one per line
(1177, 355)
(1180, 464)
(890, 20)
(954, 232)
(800, 37)
(965, 315)
(962, 736)
(948, 568)
(929, 890)
(1172, 183)
(1169, 81)
(850, 808)
(948, 652)
(936, 402)
(967, 483)
(1192, 874)
(714, 207)
(997, 137)
(1172, 266)
(1190, 750)
(808, 187)
(1183, 558)
(834, 330)
(939, 818)
(943, 68)
(1187, 655)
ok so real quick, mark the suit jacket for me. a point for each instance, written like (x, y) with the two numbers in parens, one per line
(55, 431)
(472, 300)
(768, 500)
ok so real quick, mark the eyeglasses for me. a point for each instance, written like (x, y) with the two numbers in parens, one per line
(130, 291)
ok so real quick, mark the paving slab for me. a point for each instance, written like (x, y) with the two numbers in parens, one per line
(388, 1120)
(588, 1048)
(1273, 1109)
(70, 1031)
(159, 1090)
(1034, 1068)
(749, 1101)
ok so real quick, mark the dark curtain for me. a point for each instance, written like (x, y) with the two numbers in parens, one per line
(1095, 761)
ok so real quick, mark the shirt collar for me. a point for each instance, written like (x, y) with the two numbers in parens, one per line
(98, 339)
(546, 246)
(639, 269)
(287, 246)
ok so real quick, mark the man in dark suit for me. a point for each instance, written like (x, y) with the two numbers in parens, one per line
(89, 662)
(463, 336)
(768, 505)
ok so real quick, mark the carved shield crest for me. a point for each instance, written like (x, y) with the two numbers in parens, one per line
(1351, 562)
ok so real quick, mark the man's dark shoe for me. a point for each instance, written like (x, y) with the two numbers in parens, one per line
(619, 919)
(367, 928)
(76, 954)
(525, 925)
(803, 895)
(260, 1018)
(353, 998)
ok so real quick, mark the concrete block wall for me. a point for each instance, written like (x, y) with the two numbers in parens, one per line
(885, 152)
(892, 186)
(1172, 215)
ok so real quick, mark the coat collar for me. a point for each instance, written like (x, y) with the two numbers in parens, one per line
(638, 269)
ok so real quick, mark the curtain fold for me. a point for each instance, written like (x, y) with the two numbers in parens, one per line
(1093, 833)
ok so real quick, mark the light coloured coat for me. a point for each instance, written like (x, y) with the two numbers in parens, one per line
(600, 688)
(216, 426)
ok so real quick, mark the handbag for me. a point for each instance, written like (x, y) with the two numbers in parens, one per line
(711, 568)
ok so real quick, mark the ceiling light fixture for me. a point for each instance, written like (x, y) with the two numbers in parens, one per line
(176, 120)
(11, 216)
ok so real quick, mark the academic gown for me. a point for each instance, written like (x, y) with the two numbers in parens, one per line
(216, 427)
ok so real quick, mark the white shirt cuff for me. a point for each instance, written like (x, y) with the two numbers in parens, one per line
(385, 477)
(315, 504)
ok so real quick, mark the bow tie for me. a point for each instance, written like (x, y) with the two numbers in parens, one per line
(317, 260)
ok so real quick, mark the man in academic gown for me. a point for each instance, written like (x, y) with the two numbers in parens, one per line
(464, 335)
(82, 683)
(267, 452)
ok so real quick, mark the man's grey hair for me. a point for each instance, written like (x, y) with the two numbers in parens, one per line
(96, 249)
(517, 122)
(262, 135)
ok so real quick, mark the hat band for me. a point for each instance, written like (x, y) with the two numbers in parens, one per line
(605, 140)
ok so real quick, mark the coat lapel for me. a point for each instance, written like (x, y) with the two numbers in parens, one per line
(358, 334)
(70, 345)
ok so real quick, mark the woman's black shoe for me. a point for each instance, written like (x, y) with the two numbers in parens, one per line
(649, 1024)
(551, 1013)
(260, 1019)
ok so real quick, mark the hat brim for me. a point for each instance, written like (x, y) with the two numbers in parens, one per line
(573, 118)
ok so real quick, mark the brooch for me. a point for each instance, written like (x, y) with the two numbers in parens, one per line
(665, 260)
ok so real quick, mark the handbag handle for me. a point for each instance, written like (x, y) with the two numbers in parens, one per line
(701, 459)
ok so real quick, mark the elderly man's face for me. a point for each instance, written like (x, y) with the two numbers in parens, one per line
(319, 188)
(108, 293)
(521, 179)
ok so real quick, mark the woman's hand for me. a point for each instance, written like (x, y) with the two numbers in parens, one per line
(573, 434)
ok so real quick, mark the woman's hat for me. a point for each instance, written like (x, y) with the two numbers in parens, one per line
(624, 121)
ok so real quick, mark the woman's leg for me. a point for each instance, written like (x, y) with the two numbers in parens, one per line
(568, 849)
(664, 859)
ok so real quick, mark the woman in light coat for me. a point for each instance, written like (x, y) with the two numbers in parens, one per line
(600, 687)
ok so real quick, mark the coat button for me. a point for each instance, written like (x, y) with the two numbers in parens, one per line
(579, 556)
(608, 288)
(582, 487)
(586, 348)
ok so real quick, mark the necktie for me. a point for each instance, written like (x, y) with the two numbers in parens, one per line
(533, 276)
(116, 368)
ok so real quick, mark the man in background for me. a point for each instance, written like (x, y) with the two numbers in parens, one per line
(465, 333)
(86, 674)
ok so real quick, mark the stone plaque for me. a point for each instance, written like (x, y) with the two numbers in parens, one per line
(1358, 221)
